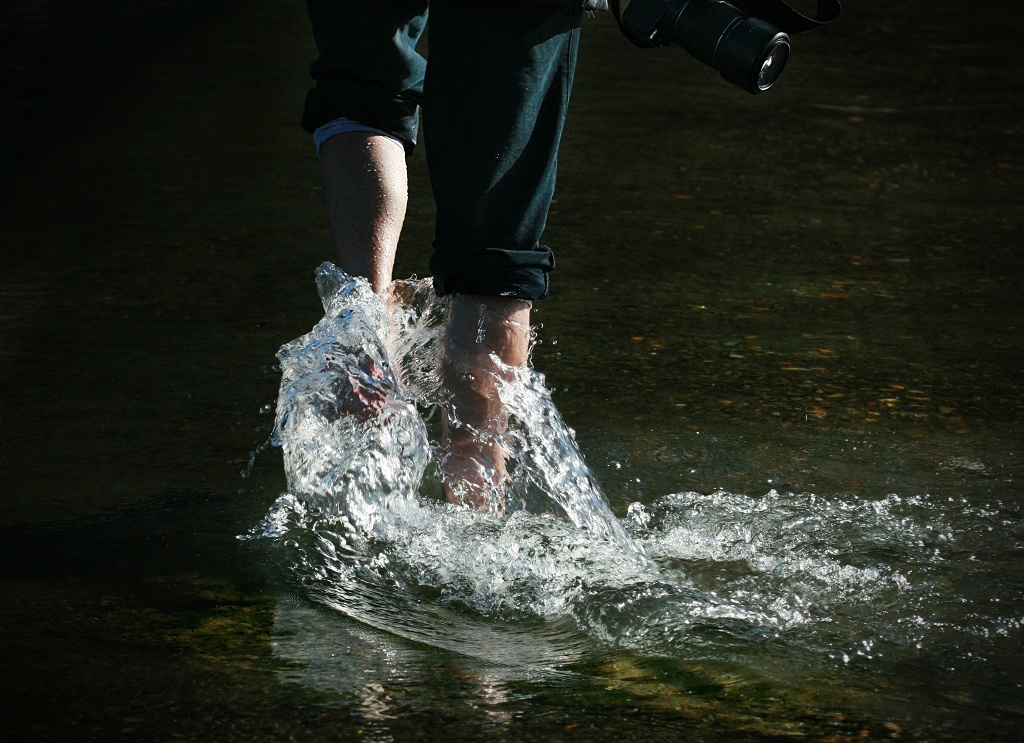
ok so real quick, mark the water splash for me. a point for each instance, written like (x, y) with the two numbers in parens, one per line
(548, 467)
(348, 415)
(353, 448)
(797, 586)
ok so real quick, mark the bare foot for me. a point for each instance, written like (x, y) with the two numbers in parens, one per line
(487, 337)
(359, 391)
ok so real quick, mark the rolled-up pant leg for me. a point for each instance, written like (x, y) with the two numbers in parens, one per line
(368, 69)
(495, 97)
(496, 92)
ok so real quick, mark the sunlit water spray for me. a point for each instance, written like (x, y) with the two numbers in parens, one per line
(814, 587)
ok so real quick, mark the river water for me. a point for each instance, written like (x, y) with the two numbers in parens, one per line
(769, 457)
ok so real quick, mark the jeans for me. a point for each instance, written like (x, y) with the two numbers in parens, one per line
(494, 98)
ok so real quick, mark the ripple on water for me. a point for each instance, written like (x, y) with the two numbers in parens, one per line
(797, 586)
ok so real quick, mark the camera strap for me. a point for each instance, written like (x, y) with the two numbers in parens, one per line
(775, 12)
(785, 18)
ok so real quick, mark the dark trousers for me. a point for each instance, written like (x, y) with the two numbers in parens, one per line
(494, 97)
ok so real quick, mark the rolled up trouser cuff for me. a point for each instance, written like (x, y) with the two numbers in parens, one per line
(368, 69)
(493, 272)
(331, 100)
(345, 126)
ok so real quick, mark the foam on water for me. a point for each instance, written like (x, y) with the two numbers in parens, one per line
(775, 578)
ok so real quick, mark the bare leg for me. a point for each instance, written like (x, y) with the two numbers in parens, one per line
(366, 191)
(481, 332)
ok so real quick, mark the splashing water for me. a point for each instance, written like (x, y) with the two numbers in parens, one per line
(363, 532)
(340, 460)
(784, 583)
(355, 446)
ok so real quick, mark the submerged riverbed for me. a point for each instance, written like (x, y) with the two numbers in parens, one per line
(784, 330)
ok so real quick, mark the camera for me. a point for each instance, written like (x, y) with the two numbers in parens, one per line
(747, 51)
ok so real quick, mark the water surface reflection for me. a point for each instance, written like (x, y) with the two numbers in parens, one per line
(816, 600)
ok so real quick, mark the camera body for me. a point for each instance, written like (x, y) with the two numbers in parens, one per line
(747, 51)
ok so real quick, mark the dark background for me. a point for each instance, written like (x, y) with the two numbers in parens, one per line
(57, 56)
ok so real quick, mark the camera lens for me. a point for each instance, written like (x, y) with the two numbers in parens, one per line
(746, 51)
(772, 66)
